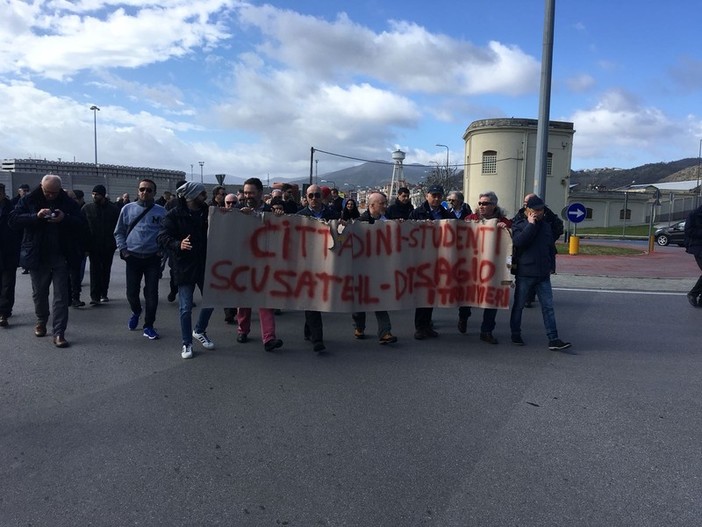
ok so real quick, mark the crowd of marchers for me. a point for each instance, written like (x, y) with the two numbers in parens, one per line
(49, 232)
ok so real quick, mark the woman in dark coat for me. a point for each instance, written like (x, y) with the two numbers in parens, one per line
(350, 210)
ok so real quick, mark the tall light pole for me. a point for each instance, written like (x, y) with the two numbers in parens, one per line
(202, 166)
(447, 155)
(95, 110)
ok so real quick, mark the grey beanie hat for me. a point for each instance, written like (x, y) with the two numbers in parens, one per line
(190, 190)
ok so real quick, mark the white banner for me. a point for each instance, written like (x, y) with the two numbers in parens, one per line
(295, 262)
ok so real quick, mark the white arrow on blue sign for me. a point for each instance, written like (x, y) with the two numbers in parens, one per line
(576, 212)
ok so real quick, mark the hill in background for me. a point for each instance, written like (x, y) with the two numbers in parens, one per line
(611, 178)
(377, 174)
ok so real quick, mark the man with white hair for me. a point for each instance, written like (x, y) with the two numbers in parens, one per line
(50, 220)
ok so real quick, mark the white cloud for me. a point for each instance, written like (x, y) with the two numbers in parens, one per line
(406, 56)
(64, 38)
(619, 129)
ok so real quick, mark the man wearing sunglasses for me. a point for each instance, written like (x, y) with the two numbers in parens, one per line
(316, 209)
(136, 236)
(431, 209)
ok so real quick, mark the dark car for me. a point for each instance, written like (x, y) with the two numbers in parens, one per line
(673, 234)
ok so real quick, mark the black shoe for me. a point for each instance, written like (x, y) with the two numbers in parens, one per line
(462, 325)
(420, 334)
(558, 345)
(94, 302)
(517, 340)
(487, 337)
(692, 298)
(242, 338)
(429, 332)
(273, 344)
(77, 303)
(319, 347)
(171, 296)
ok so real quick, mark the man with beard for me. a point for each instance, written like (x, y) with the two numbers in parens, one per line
(184, 235)
(253, 204)
(50, 220)
(101, 216)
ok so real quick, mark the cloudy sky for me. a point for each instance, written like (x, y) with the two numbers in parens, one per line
(249, 88)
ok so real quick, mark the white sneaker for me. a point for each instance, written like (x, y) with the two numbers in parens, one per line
(202, 338)
(187, 352)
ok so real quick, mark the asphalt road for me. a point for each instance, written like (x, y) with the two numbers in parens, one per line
(118, 430)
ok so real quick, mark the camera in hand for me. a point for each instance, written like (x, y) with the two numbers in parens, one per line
(54, 213)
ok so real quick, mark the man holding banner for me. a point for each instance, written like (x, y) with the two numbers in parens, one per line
(377, 206)
(431, 209)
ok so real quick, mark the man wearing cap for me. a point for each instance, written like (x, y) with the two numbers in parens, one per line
(556, 228)
(102, 217)
(50, 220)
(533, 241)
(9, 258)
(183, 235)
(431, 209)
(136, 235)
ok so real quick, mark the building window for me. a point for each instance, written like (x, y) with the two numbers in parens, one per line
(489, 162)
(549, 163)
(588, 213)
(623, 216)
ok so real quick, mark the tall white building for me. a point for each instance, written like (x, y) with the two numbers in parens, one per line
(500, 156)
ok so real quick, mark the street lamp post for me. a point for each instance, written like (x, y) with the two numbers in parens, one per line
(447, 154)
(202, 166)
(95, 110)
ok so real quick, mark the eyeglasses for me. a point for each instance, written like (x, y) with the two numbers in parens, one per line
(146, 189)
(230, 202)
(451, 200)
(313, 195)
(484, 204)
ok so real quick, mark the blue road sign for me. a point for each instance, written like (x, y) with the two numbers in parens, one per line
(576, 212)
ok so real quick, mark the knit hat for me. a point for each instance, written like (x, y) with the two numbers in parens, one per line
(190, 190)
(535, 202)
(100, 189)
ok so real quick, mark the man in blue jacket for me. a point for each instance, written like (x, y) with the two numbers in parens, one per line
(136, 235)
(533, 241)
(50, 220)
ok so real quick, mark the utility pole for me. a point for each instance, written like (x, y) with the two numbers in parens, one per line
(544, 102)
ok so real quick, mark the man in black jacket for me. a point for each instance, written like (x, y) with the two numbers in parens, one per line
(9, 258)
(183, 235)
(431, 209)
(101, 216)
(402, 208)
(50, 220)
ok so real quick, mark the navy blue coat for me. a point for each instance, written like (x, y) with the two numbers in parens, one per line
(534, 248)
(9, 238)
(40, 236)
(693, 232)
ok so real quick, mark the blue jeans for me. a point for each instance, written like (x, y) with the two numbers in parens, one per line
(185, 303)
(542, 286)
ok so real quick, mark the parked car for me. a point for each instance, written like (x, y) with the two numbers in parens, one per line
(673, 234)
